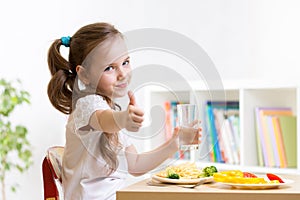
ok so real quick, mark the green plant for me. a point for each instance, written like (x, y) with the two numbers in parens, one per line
(15, 150)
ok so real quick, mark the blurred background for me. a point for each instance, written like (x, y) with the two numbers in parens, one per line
(246, 40)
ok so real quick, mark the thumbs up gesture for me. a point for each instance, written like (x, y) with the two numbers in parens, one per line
(134, 115)
(131, 98)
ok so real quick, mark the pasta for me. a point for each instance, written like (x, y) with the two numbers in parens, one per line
(185, 170)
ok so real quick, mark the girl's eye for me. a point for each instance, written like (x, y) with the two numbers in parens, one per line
(109, 68)
(126, 62)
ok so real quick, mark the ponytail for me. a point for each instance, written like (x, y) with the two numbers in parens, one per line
(61, 84)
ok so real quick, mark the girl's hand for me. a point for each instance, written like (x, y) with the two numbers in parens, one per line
(188, 135)
(134, 116)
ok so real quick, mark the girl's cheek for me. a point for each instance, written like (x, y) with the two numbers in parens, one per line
(128, 71)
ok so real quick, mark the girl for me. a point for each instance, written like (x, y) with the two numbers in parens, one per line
(97, 154)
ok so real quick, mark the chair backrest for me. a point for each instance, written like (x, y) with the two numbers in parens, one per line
(51, 168)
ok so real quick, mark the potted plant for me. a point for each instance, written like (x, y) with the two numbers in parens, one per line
(15, 152)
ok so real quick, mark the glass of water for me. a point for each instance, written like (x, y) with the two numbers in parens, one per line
(188, 123)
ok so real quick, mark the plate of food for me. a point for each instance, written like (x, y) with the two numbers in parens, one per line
(185, 173)
(246, 180)
(259, 186)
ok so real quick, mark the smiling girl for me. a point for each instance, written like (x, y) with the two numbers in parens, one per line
(98, 156)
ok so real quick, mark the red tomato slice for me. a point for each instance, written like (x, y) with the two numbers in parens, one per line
(249, 175)
(273, 177)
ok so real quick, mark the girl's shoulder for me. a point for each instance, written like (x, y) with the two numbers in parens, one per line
(89, 104)
(91, 99)
(86, 106)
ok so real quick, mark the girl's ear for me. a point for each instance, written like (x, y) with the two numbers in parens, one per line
(82, 74)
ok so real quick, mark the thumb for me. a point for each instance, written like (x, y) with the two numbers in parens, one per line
(131, 98)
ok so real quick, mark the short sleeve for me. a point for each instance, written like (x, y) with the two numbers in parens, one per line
(85, 107)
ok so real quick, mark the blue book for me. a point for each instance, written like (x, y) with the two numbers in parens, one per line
(214, 134)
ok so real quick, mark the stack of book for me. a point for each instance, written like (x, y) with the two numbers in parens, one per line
(222, 125)
(276, 133)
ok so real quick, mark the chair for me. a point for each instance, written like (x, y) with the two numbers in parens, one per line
(51, 168)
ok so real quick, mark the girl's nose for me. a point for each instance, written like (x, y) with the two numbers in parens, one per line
(121, 72)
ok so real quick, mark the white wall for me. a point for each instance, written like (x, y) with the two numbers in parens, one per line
(246, 39)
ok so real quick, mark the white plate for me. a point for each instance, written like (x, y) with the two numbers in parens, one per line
(259, 186)
(182, 180)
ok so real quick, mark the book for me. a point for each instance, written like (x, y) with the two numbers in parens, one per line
(228, 142)
(214, 136)
(168, 123)
(261, 152)
(263, 133)
(219, 124)
(279, 142)
(234, 122)
(174, 115)
(288, 126)
(220, 130)
(227, 138)
(274, 145)
(209, 137)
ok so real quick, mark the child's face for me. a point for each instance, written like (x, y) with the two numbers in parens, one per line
(111, 68)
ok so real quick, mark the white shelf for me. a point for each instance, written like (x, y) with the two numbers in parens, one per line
(250, 94)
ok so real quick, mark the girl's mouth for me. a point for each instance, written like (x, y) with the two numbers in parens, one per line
(121, 85)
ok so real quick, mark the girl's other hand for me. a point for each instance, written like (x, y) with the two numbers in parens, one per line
(134, 115)
(189, 135)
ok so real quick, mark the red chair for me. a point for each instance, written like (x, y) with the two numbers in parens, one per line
(52, 166)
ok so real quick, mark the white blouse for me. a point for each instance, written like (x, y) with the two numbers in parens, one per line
(84, 174)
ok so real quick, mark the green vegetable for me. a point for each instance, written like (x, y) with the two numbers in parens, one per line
(172, 174)
(209, 171)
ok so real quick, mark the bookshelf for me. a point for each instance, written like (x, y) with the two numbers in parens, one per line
(249, 94)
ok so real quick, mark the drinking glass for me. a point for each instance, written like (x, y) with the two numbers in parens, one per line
(188, 125)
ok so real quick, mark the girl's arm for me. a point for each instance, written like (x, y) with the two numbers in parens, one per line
(111, 121)
(139, 164)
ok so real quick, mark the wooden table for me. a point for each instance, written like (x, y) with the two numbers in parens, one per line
(212, 191)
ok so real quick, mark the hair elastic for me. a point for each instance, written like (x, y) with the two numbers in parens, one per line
(65, 41)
